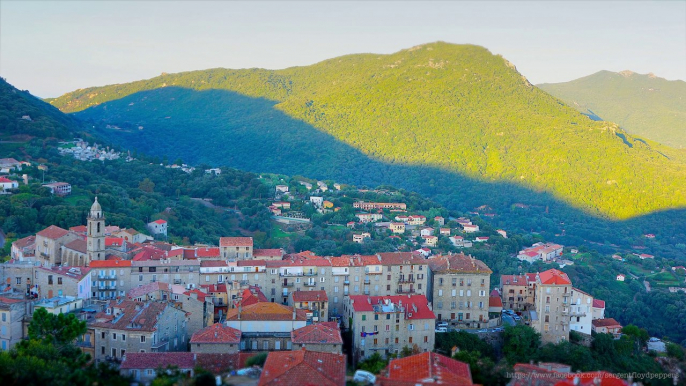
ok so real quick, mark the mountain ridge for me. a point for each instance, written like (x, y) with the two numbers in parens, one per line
(456, 108)
(642, 104)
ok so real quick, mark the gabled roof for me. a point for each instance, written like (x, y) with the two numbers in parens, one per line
(425, 369)
(252, 295)
(79, 229)
(554, 277)
(303, 368)
(146, 289)
(130, 315)
(607, 322)
(53, 232)
(28, 241)
(207, 252)
(217, 333)
(310, 296)
(458, 263)
(597, 303)
(110, 263)
(266, 311)
(160, 221)
(77, 245)
(236, 242)
(267, 252)
(417, 305)
(213, 263)
(495, 301)
(318, 333)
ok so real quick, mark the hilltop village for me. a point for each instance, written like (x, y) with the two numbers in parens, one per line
(150, 304)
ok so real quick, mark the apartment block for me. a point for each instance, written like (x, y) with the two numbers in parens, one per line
(387, 324)
(460, 289)
(553, 292)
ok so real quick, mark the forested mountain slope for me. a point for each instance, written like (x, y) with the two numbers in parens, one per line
(645, 105)
(437, 112)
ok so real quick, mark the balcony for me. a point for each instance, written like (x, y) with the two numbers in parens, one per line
(346, 282)
(310, 273)
(405, 290)
(310, 284)
(576, 313)
(289, 284)
(367, 281)
(406, 280)
(290, 274)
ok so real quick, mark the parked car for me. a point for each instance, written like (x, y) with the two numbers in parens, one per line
(498, 329)
(517, 318)
(482, 330)
(364, 376)
(442, 324)
(441, 329)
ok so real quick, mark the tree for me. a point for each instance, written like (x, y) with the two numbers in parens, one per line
(59, 329)
(257, 360)
(521, 343)
(146, 185)
(374, 364)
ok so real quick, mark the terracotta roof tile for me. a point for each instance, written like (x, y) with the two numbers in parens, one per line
(131, 315)
(303, 368)
(310, 296)
(458, 263)
(266, 311)
(597, 303)
(424, 369)
(318, 333)
(607, 322)
(236, 242)
(519, 280)
(555, 277)
(77, 245)
(417, 305)
(53, 232)
(110, 263)
(217, 333)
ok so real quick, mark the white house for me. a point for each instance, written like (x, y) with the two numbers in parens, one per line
(620, 277)
(158, 227)
(317, 201)
(580, 311)
(7, 184)
(426, 232)
(470, 228)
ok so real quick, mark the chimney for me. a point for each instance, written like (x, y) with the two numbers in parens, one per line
(293, 313)
(240, 309)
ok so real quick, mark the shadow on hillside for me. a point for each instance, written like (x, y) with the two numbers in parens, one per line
(219, 127)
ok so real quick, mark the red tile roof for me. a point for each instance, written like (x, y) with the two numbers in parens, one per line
(235, 242)
(79, 229)
(597, 303)
(318, 333)
(114, 241)
(76, 273)
(303, 368)
(607, 322)
(142, 316)
(201, 295)
(252, 295)
(160, 221)
(207, 252)
(417, 305)
(310, 296)
(266, 311)
(146, 289)
(554, 277)
(520, 280)
(25, 242)
(53, 232)
(215, 363)
(495, 301)
(217, 333)
(267, 252)
(214, 288)
(401, 258)
(458, 263)
(425, 369)
(110, 263)
(10, 300)
(77, 245)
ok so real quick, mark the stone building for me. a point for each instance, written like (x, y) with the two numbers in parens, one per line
(49, 244)
(128, 326)
(581, 311)
(12, 312)
(460, 289)
(63, 281)
(515, 292)
(315, 303)
(95, 234)
(303, 367)
(236, 248)
(216, 338)
(553, 292)
(110, 278)
(387, 324)
(323, 337)
(266, 326)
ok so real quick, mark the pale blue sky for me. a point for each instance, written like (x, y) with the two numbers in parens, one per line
(52, 47)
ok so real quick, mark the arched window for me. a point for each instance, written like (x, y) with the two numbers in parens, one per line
(98, 227)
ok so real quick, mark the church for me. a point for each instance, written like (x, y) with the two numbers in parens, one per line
(81, 252)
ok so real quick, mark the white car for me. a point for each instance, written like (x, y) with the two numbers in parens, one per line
(441, 329)
(442, 324)
(364, 376)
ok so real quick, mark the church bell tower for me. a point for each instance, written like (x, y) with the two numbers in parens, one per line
(96, 233)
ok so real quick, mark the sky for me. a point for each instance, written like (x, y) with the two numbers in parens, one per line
(53, 47)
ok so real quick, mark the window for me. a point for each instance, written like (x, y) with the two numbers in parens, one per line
(114, 352)
(376, 316)
(335, 279)
(335, 299)
(102, 335)
(49, 279)
(388, 287)
(18, 280)
(440, 292)
(375, 328)
(114, 336)
(364, 317)
(4, 317)
(454, 293)
(265, 345)
(410, 340)
(123, 338)
(149, 371)
(426, 339)
(411, 328)
(388, 327)
(376, 341)
(102, 350)
(123, 352)
(396, 340)
(142, 338)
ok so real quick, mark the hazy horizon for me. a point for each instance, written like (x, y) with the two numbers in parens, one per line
(51, 48)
